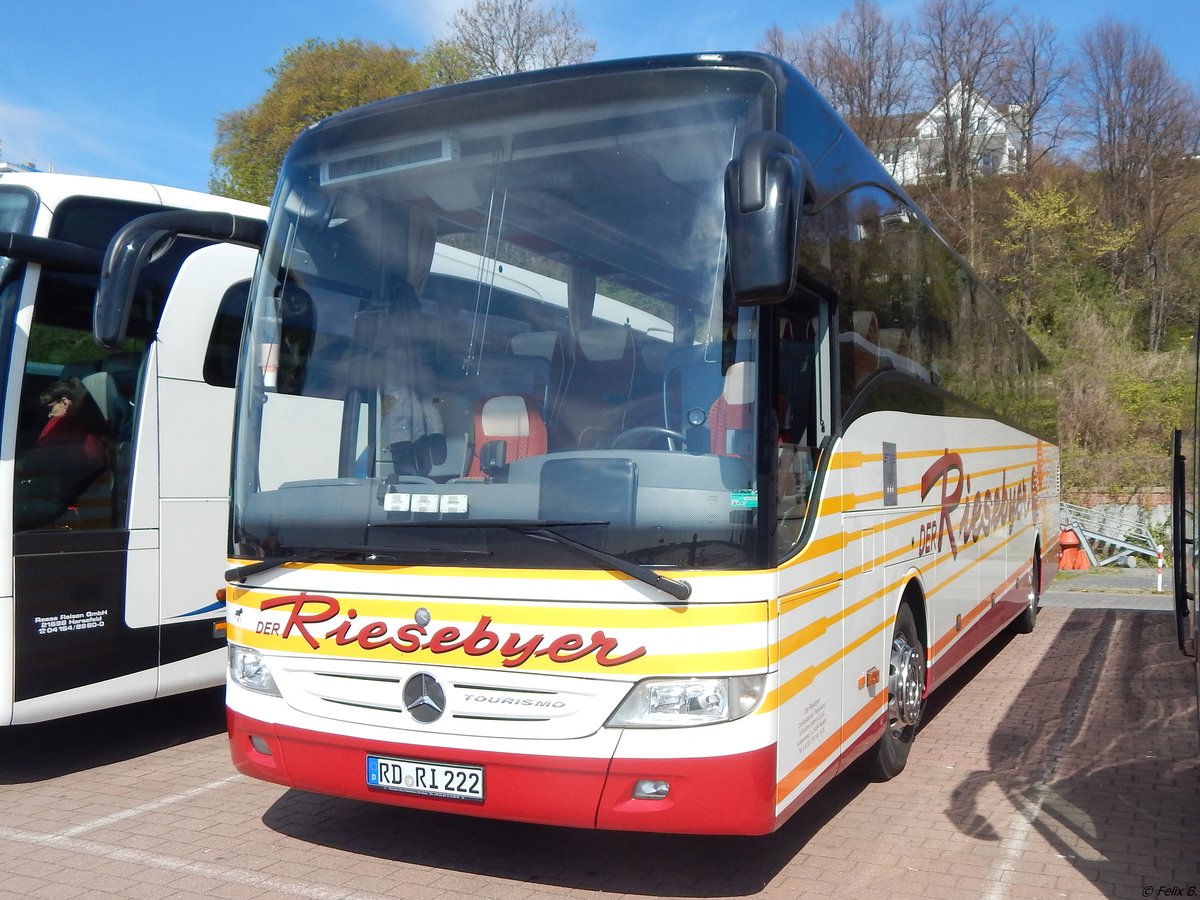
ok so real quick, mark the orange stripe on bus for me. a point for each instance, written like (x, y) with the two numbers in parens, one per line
(808, 675)
(940, 645)
(828, 748)
(842, 503)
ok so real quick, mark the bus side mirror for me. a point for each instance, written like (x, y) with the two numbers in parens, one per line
(765, 192)
(132, 247)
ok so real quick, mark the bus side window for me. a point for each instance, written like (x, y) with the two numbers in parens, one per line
(220, 360)
(73, 431)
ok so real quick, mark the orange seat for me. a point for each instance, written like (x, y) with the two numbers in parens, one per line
(730, 419)
(506, 428)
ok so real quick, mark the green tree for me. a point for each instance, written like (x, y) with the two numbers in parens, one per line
(311, 82)
(1058, 247)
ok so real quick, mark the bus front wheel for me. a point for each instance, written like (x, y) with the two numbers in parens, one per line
(905, 700)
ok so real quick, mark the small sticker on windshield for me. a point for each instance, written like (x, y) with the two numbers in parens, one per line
(397, 502)
(425, 503)
(743, 500)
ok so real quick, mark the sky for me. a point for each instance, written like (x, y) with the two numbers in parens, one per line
(133, 88)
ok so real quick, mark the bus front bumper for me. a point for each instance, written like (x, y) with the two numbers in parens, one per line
(732, 794)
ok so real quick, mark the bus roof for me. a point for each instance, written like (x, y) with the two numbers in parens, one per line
(53, 187)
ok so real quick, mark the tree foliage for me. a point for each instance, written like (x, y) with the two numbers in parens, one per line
(1093, 235)
(502, 37)
(1141, 124)
(311, 82)
(1059, 253)
(962, 46)
(1033, 77)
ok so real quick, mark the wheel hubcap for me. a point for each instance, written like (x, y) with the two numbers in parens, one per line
(905, 684)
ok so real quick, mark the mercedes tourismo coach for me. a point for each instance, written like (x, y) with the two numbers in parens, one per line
(116, 509)
(617, 447)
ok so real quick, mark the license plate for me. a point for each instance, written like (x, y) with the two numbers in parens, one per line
(414, 776)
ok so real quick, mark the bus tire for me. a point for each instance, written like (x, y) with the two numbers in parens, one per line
(905, 701)
(1024, 623)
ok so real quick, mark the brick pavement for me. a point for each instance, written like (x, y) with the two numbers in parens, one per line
(1059, 764)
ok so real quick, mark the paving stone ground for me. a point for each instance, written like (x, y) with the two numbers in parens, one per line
(1058, 764)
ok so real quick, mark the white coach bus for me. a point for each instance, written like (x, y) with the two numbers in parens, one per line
(113, 466)
(663, 544)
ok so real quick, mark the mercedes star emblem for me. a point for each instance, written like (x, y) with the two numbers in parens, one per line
(424, 698)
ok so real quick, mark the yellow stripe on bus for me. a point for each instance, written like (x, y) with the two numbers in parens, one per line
(808, 675)
(854, 459)
(651, 663)
(582, 616)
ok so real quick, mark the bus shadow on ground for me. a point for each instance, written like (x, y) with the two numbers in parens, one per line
(31, 753)
(609, 861)
(612, 862)
(1099, 756)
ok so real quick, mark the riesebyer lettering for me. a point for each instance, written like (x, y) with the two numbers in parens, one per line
(305, 612)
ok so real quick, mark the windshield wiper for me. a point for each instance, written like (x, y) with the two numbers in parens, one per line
(674, 587)
(339, 554)
(544, 529)
(308, 555)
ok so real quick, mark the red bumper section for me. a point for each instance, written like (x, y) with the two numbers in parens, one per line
(718, 795)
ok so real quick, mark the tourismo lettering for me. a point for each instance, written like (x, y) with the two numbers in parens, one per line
(316, 618)
(982, 513)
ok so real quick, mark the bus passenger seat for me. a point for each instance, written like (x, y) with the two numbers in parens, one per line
(540, 354)
(506, 428)
(731, 420)
(114, 408)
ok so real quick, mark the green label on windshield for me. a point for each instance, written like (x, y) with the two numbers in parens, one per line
(743, 500)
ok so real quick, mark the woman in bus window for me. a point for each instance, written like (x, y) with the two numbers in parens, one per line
(69, 453)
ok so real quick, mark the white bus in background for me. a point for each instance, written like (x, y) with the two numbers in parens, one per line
(107, 587)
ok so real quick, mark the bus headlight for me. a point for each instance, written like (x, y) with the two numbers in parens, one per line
(681, 702)
(248, 669)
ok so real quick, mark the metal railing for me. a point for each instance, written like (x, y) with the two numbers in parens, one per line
(1107, 538)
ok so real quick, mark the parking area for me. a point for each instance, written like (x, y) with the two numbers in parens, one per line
(1059, 764)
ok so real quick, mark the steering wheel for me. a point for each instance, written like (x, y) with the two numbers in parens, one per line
(631, 434)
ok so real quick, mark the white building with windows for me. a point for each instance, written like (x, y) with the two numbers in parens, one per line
(917, 150)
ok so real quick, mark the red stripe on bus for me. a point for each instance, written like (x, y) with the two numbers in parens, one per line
(728, 794)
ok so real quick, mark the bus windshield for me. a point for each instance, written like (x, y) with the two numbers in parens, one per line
(498, 317)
